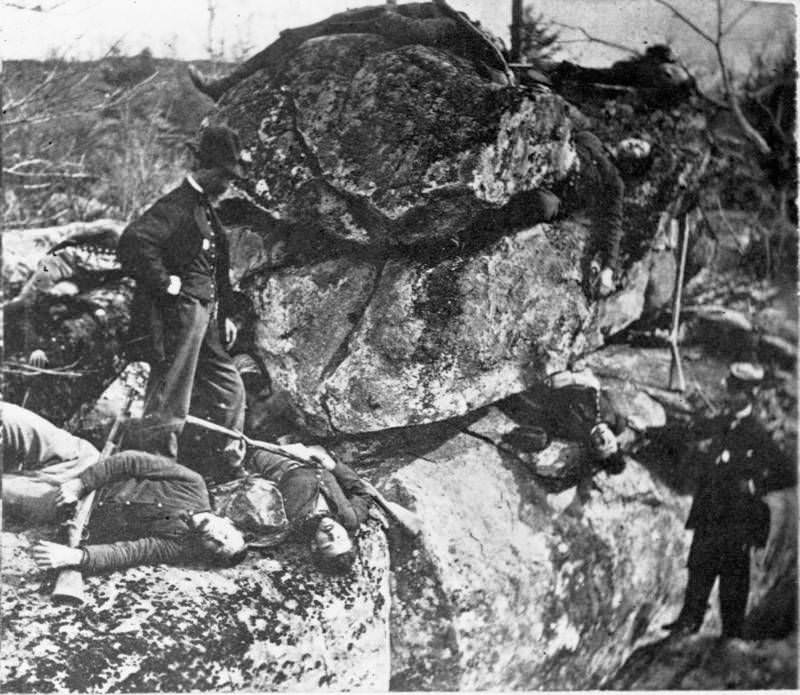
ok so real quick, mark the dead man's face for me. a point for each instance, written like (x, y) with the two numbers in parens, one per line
(331, 538)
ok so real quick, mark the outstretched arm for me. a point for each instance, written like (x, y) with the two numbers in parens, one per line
(109, 556)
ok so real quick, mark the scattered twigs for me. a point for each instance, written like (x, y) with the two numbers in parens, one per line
(116, 98)
(29, 370)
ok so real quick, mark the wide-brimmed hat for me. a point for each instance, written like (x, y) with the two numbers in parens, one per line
(219, 147)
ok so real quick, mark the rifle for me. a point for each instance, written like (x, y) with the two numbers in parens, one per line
(407, 519)
(688, 179)
(69, 583)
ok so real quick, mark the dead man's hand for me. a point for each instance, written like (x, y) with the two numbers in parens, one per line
(605, 285)
(38, 359)
(69, 491)
(48, 556)
(311, 453)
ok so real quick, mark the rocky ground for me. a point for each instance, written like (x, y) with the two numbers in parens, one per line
(407, 303)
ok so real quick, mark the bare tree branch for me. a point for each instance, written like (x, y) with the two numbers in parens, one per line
(595, 39)
(33, 8)
(50, 175)
(752, 135)
(116, 98)
(738, 18)
(688, 22)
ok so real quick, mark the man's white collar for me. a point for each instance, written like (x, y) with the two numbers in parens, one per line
(194, 183)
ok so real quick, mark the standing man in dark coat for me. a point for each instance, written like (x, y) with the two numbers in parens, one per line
(728, 516)
(178, 253)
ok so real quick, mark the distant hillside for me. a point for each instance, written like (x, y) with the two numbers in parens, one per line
(98, 138)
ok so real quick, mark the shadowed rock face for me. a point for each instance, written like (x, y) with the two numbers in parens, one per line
(364, 347)
(272, 623)
(512, 587)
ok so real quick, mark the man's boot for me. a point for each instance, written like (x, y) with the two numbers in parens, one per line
(685, 624)
(695, 603)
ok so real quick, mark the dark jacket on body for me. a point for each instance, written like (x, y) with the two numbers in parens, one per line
(140, 512)
(301, 485)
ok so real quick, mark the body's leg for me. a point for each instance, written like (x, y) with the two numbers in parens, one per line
(621, 73)
(29, 499)
(30, 441)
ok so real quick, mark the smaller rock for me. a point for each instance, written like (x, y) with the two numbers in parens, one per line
(661, 282)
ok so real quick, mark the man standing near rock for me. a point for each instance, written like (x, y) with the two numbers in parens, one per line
(727, 515)
(178, 253)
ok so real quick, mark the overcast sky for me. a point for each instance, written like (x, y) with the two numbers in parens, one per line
(179, 28)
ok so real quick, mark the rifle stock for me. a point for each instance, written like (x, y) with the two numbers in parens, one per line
(69, 583)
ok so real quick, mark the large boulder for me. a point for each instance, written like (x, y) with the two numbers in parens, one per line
(395, 255)
(512, 587)
(364, 345)
(365, 348)
(271, 623)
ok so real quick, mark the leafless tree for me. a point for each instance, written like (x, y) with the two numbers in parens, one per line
(716, 38)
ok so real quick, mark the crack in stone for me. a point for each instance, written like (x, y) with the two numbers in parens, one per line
(341, 352)
(323, 402)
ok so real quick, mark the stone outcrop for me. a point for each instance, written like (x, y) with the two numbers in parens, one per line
(365, 348)
(398, 191)
(390, 244)
(512, 587)
(271, 623)
(389, 240)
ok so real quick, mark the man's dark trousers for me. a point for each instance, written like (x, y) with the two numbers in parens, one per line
(192, 371)
(717, 553)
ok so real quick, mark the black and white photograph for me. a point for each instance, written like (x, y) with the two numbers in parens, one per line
(405, 346)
